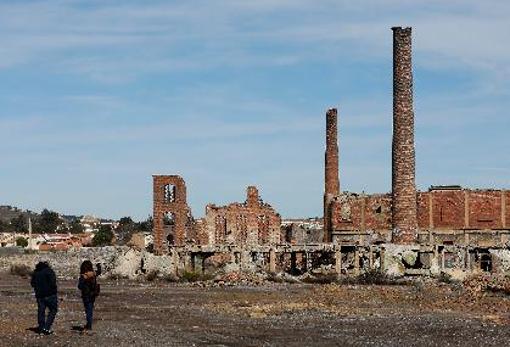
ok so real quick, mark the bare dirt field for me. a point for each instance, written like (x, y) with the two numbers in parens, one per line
(168, 314)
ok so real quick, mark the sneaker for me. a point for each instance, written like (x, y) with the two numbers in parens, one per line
(47, 332)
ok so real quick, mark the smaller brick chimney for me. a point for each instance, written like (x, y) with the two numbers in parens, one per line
(252, 196)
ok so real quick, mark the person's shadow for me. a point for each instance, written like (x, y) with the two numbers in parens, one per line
(77, 328)
(34, 330)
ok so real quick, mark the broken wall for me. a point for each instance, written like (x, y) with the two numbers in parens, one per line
(301, 234)
(438, 210)
(173, 222)
(463, 209)
(252, 222)
(362, 212)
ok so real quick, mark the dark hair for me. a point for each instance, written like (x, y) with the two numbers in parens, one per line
(86, 266)
(41, 265)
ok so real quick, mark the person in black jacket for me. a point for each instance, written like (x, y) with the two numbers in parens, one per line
(89, 290)
(44, 283)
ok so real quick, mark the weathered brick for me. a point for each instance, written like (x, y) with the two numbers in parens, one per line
(252, 222)
(404, 220)
(331, 177)
(169, 194)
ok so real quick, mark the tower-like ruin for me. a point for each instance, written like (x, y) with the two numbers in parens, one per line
(171, 211)
(404, 221)
(332, 182)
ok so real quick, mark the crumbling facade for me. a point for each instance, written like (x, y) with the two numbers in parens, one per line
(173, 222)
(252, 222)
(446, 215)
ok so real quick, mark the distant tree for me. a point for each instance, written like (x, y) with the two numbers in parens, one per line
(146, 225)
(75, 227)
(21, 242)
(19, 224)
(103, 237)
(6, 227)
(125, 221)
(125, 229)
(47, 222)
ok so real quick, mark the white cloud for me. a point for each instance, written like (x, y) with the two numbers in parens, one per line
(113, 39)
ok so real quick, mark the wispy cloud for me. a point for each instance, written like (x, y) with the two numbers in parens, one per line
(126, 39)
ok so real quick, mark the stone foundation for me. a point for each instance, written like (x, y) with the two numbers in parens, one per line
(341, 260)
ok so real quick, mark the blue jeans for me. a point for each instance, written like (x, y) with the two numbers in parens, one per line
(89, 311)
(50, 302)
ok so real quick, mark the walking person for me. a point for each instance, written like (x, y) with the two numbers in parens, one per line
(44, 283)
(89, 291)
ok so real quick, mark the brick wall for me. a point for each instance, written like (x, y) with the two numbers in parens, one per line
(251, 222)
(485, 210)
(358, 212)
(447, 209)
(169, 198)
(436, 210)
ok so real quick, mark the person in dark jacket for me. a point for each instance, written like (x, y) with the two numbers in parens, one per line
(89, 291)
(44, 283)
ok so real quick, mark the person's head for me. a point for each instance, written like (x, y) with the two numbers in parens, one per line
(86, 266)
(41, 266)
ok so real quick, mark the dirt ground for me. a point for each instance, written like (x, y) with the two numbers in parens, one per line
(167, 314)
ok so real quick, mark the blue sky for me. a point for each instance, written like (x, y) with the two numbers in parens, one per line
(96, 96)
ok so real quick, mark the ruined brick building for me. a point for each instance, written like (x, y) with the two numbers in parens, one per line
(442, 215)
(252, 222)
(358, 228)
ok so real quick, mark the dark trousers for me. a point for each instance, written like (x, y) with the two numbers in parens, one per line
(50, 302)
(88, 304)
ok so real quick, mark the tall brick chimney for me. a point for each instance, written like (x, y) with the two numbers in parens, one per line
(331, 180)
(404, 221)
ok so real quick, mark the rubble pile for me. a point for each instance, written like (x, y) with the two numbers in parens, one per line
(481, 283)
(233, 279)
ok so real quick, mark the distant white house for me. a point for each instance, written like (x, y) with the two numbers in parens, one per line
(90, 223)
